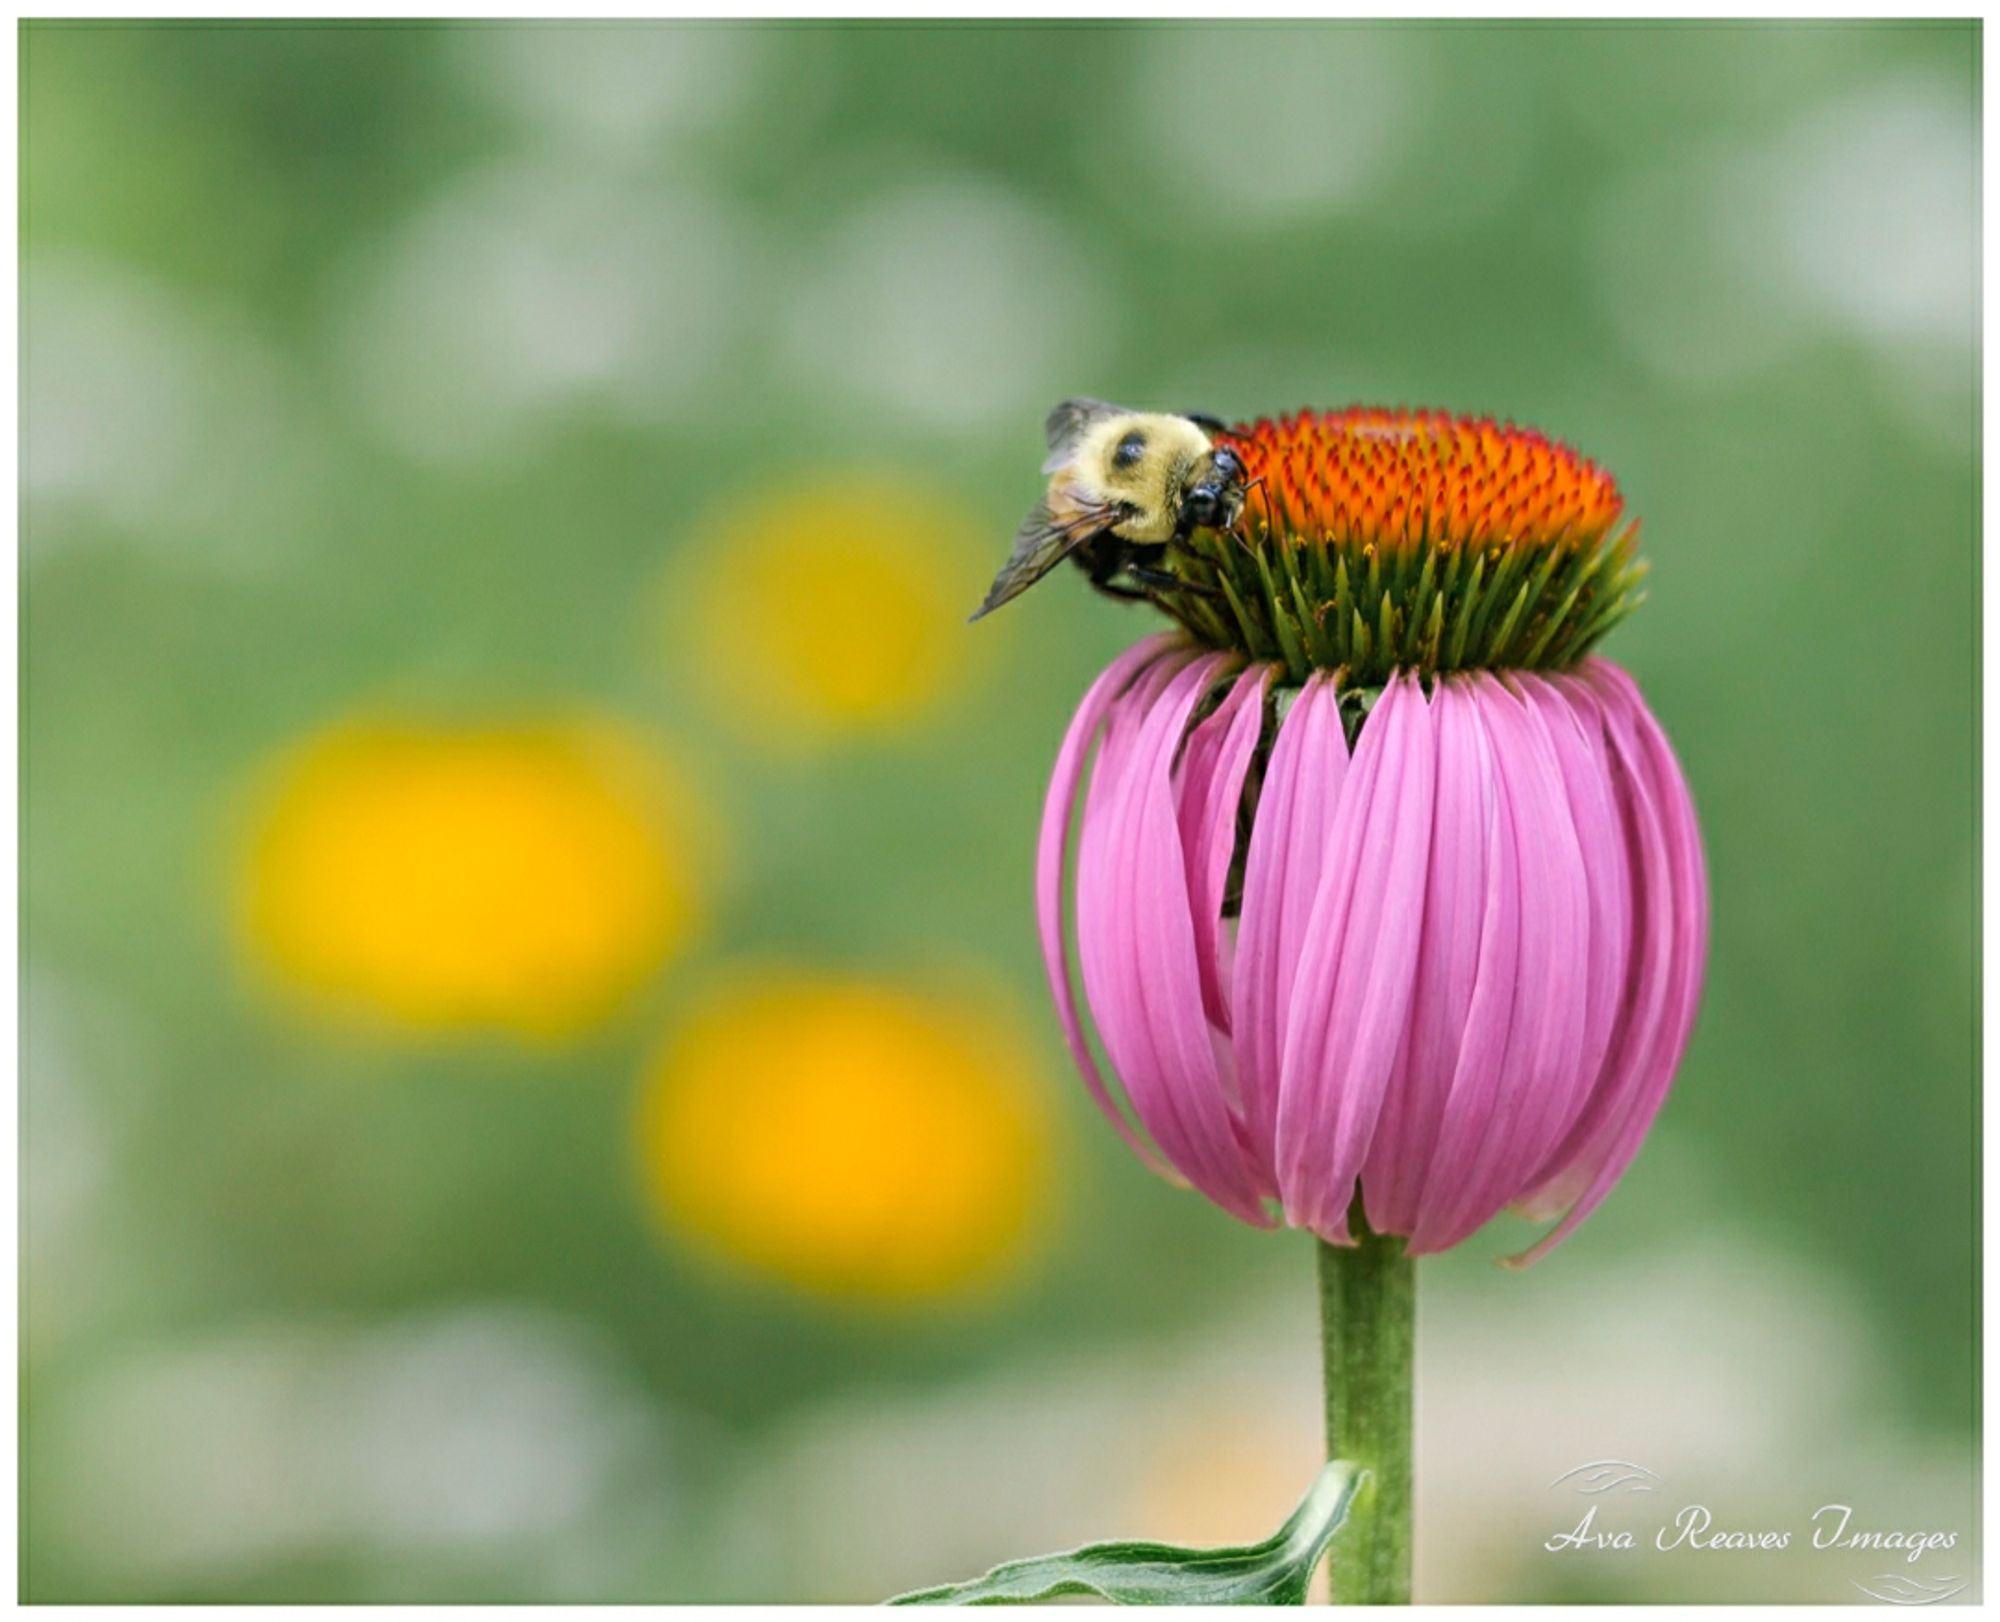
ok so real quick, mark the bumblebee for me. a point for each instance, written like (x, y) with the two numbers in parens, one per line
(1123, 487)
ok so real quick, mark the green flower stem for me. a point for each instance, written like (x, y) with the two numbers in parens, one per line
(1368, 1324)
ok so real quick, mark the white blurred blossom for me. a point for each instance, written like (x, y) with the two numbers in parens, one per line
(497, 1432)
(1261, 129)
(1685, 285)
(152, 420)
(532, 293)
(950, 304)
(613, 88)
(88, 1071)
(1266, 126)
(1871, 203)
(1857, 220)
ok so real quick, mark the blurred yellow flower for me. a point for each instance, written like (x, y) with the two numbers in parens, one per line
(829, 608)
(850, 1138)
(521, 878)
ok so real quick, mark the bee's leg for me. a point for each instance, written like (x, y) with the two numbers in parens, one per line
(1162, 580)
(1105, 557)
(1101, 557)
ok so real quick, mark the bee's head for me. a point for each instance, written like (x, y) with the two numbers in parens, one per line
(1216, 496)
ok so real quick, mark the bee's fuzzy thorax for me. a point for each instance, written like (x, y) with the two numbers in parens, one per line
(1172, 446)
(1375, 540)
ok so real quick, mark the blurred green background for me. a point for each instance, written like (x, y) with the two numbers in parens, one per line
(536, 475)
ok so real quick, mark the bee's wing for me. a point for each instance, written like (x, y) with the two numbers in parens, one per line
(1043, 541)
(1069, 422)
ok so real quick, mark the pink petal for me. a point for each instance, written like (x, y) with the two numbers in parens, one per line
(1357, 967)
(1520, 1074)
(1057, 813)
(1586, 768)
(1489, 1012)
(1214, 763)
(1109, 974)
(1557, 873)
(1405, 1140)
(1136, 938)
(1639, 999)
(1670, 922)
(1288, 854)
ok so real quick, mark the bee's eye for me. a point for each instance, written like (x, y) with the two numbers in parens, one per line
(1130, 449)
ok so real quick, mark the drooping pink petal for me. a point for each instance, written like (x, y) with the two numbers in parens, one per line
(1392, 1178)
(1136, 938)
(1350, 1001)
(1554, 867)
(1488, 1019)
(1586, 769)
(1519, 1073)
(1109, 972)
(1209, 789)
(1641, 996)
(1171, 954)
(1058, 811)
(1289, 847)
(1670, 943)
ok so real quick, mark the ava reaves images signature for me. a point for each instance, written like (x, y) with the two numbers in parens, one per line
(1693, 1527)
(1830, 1527)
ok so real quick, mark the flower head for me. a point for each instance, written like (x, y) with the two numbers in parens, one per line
(1379, 540)
(1430, 934)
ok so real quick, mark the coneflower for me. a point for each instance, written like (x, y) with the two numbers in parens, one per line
(1388, 895)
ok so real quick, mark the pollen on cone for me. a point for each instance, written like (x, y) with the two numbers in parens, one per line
(1375, 540)
(1397, 478)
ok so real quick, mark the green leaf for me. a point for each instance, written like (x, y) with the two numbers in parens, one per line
(1274, 1572)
